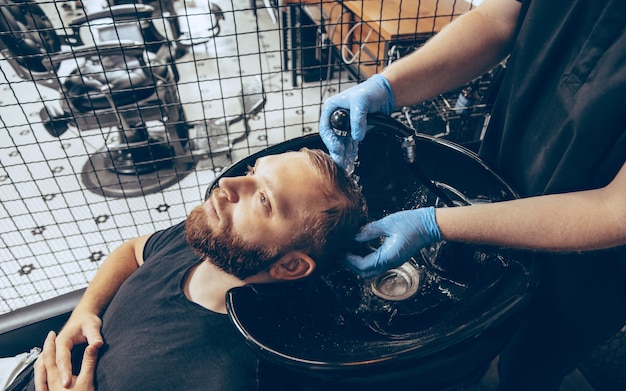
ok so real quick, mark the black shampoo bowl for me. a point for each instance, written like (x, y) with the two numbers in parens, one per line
(435, 323)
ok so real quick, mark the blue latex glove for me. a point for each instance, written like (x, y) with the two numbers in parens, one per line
(372, 96)
(405, 233)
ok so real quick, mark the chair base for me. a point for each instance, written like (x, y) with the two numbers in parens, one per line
(103, 176)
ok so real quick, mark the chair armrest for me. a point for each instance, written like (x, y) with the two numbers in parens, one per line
(118, 13)
(27, 327)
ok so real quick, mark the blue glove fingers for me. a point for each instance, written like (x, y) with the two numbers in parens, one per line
(372, 230)
(406, 233)
(363, 266)
(350, 155)
(342, 150)
(384, 258)
(393, 252)
(336, 145)
(358, 122)
(372, 96)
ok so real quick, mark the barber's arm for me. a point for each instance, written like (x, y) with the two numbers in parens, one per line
(465, 49)
(577, 221)
(84, 323)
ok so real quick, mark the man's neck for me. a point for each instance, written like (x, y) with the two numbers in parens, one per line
(207, 284)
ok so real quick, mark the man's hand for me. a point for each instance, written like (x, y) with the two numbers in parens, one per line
(405, 233)
(52, 382)
(79, 329)
(372, 96)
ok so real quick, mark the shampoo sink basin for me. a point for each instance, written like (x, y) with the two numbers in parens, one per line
(434, 323)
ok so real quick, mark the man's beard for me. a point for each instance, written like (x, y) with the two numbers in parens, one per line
(225, 250)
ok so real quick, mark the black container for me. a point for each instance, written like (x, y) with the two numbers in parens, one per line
(341, 333)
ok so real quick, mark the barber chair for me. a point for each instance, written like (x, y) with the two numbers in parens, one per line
(163, 9)
(198, 32)
(125, 81)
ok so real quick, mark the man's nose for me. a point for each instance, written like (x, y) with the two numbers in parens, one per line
(235, 187)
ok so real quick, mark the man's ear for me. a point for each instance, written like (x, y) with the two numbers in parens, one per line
(292, 266)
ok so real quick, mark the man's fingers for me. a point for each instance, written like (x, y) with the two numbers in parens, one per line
(41, 375)
(94, 337)
(88, 367)
(49, 348)
(64, 346)
(64, 363)
(45, 361)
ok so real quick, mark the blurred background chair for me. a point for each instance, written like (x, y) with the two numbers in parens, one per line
(119, 73)
(200, 24)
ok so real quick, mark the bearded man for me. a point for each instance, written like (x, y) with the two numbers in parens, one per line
(154, 315)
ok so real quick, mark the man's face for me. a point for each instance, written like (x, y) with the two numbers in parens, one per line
(248, 220)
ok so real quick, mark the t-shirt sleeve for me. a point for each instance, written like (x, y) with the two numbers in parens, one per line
(160, 239)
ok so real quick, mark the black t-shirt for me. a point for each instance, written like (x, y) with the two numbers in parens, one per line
(156, 339)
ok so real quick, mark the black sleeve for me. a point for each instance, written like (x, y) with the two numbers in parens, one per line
(162, 238)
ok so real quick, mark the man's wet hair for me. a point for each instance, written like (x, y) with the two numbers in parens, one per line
(328, 236)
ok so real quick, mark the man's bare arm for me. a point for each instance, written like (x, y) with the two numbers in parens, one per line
(117, 267)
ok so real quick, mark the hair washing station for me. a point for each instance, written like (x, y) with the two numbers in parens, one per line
(436, 322)
(433, 324)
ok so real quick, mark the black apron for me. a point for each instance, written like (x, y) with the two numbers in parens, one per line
(558, 125)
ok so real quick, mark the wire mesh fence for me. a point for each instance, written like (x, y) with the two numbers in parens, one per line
(115, 116)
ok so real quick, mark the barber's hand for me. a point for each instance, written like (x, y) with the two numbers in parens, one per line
(372, 96)
(405, 233)
(80, 328)
(85, 379)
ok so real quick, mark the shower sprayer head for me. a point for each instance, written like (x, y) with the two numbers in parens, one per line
(340, 122)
